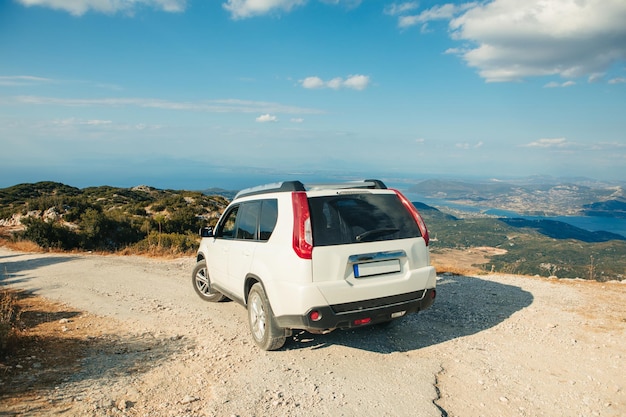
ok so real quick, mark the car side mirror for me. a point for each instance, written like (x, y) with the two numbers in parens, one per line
(206, 231)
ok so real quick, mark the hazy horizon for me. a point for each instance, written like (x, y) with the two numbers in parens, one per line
(233, 179)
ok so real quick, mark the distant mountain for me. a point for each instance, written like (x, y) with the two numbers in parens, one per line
(531, 198)
(432, 212)
(609, 208)
(560, 230)
(229, 194)
(454, 190)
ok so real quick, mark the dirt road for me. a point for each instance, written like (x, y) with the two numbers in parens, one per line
(490, 346)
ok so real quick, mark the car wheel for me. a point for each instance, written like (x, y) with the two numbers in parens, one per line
(266, 334)
(202, 284)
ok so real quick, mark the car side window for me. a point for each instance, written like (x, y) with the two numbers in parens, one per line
(226, 229)
(269, 215)
(248, 220)
(254, 220)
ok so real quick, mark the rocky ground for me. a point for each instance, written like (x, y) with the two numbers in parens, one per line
(127, 336)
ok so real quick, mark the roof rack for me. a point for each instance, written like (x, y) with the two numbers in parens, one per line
(371, 184)
(272, 188)
(289, 186)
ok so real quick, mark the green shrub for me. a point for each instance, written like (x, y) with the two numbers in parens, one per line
(170, 242)
(49, 234)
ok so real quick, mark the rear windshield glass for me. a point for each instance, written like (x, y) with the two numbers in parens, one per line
(355, 218)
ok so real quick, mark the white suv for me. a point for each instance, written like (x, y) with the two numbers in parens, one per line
(317, 258)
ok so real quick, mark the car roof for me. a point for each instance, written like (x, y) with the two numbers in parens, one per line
(291, 186)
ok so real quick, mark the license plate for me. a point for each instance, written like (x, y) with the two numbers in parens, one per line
(376, 268)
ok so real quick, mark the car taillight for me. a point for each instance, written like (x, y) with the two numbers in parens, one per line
(302, 233)
(418, 219)
(360, 322)
(315, 315)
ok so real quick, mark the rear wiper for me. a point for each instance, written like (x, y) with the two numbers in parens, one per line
(375, 233)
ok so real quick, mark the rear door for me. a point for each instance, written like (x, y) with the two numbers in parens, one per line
(365, 245)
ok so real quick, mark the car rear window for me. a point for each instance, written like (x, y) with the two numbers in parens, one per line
(357, 218)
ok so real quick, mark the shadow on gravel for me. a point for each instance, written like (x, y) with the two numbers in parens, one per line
(12, 271)
(57, 346)
(464, 306)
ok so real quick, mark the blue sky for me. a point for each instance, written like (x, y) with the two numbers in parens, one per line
(201, 93)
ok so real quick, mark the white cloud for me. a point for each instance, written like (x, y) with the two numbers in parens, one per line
(80, 7)
(509, 40)
(297, 120)
(467, 145)
(266, 118)
(22, 80)
(336, 83)
(548, 143)
(608, 146)
(514, 40)
(357, 82)
(77, 122)
(554, 84)
(90, 125)
(595, 77)
(440, 12)
(241, 9)
(211, 106)
(395, 9)
(618, 80)
(349, 4)
(313, 82)
(354, 82)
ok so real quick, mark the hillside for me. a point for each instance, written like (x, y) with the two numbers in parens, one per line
(544, 248)
(531, 197)
(609, 208)
(145, 219)
(55, 215)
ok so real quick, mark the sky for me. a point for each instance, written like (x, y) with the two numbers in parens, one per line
(192, 94)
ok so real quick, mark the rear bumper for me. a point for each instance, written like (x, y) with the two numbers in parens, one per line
(343, 316)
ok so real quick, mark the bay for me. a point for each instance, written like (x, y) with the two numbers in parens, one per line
(590, 223)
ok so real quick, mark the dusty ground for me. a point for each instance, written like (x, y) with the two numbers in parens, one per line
(128, 336)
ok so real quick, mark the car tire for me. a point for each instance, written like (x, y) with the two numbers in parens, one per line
(202, 284)
(266, 334)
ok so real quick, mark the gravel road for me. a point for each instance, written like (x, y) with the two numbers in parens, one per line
(496, 345)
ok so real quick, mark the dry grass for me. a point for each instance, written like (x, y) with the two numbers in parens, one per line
(456, 270)
(9, 318)
(156, 252)
(20, 245)
(461, 262)
(152, 252)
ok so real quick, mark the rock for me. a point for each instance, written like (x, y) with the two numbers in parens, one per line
(122, 405)
(189, 399)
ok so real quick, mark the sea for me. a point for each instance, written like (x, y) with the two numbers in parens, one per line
(590, 223)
